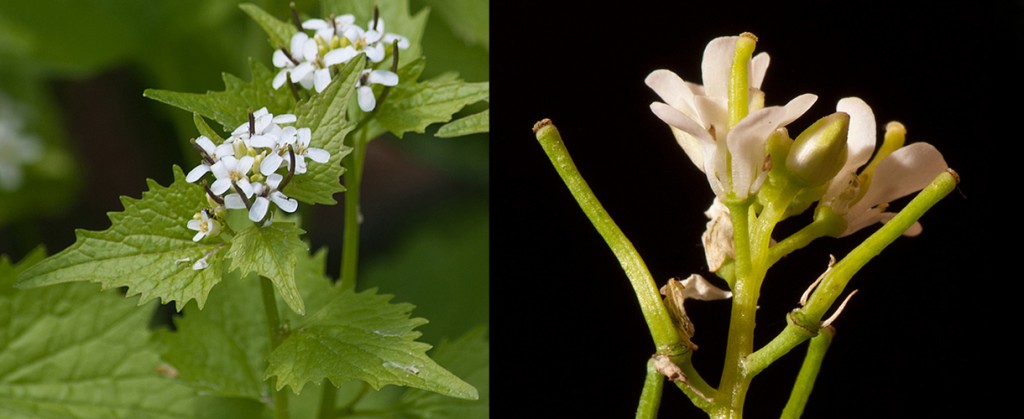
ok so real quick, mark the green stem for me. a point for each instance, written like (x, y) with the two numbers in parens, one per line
(804, 322)
(808, 373)
(275, 334)
(666, 339)
(328, 400)
(650, 397)
(820, 227)
(350, 242)
(740, 343)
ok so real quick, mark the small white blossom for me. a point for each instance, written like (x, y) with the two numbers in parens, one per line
(205, 226)
(231, 171)
(16, 148)
(698, 116)
(862, 198)
(214, 153)
(364, 90)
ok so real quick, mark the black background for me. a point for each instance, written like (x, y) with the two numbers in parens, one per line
(930, 331)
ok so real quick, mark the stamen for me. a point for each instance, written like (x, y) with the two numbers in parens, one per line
(839, 310)
(295, 16)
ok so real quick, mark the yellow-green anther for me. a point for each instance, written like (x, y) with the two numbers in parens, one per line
(895, 137)
(739, 78)
(820, 151)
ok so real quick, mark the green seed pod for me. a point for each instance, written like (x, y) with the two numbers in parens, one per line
(819, 152)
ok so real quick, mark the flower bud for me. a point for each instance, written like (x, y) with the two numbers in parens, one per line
(819, 152)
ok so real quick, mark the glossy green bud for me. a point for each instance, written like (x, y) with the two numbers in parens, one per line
(819, 152)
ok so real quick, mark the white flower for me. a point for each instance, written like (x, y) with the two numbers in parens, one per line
(231, 171)
(204, 225)
(300, 144)
(328, 30)
(698, 116)
(16, 148)
(265, 194)
(861, 198)
(364, 90)
(298, 64)
(214, 153)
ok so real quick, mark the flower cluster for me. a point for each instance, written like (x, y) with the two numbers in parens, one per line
(16, 148)
(335, 41)
(247, 169)
(833, 153)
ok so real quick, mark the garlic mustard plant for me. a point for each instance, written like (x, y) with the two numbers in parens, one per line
(226, 243)
(760, 176)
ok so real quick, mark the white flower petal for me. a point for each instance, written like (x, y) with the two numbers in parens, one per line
(321, 78)
(281, 60)
(233, 201)
(310, 51)
(270, 164)
(685, 124)
(245, 165)
(746, 142)
(673, 90)
(758, 68)
(200, 264)
(199, 236)
(285, 118)
(283, 202)
(862, 135)
(303, 135)
(366, 100)
(221, 168)
(300, 72)
(197, 173)
(222, 150)
(716, 66)
(375, 53)
(901, 173)
(315, 24)
(220, 186)
(207, 145)
(318, 155)
(710, 114)
(403, 42)
(259, 209)
(194, 225)
(383, 77)
(245, 186)
(263, 141)
(797, 107)
(340, 55)
(298, 41)
(274, 180)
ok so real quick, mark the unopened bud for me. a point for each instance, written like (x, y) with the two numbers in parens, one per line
(819, 152)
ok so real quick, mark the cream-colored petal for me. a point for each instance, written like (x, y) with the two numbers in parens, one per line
(797, 107)
(746, 142)
(672, 89)
(717, 64)
(903, 172)
(712, 115)
(758, 68)
(692, 137)
(861, 137)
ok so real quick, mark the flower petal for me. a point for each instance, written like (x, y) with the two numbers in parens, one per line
(298, 41)
(274, 180)
(207, 145)
(280, 78)
(194, 225)
(196, 173)
(315, 24)
(259, 209)
(233, 201)
(321, 78)
(366, 100)
(270, 164)
(716, 66)
(263, 141)
(245, 186)
(375, 53)
(903, 172)
(285, 118)
(281, 60)
(695, 140)
(383, 77)
(220, 186)
(672, 89)
(746, 142)
(283, 202)
(340, 55)
(245, 164)
(861, 137)
(318, 155)
(300, 71)
(797, 107)
(758, 68)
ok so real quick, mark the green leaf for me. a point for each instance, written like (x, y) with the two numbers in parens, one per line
(231, 107)
(69, 351)
(271, 252)
(468, 19)
(473, 124)
(280, 32)
(467, 356)
(147, 248)
(221, 349)
(205, 129)
(325, 115)
(396, 18)
(413, 105)
(361, 336)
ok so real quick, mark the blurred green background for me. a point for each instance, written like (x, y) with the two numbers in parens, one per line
(72, 73)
